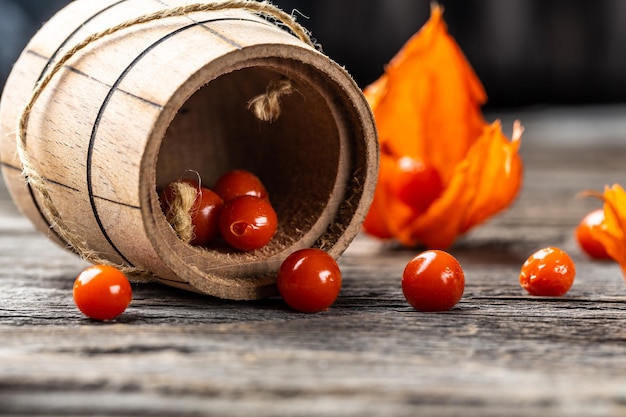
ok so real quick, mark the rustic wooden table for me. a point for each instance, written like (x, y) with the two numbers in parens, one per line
(499, 352)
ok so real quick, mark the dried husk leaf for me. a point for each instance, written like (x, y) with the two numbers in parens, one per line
(497, 173)
(612, 232)
(427, 103)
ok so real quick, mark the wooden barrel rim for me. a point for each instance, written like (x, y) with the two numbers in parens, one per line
(257, 275)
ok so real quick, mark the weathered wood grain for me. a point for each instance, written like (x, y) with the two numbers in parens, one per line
(499, 352)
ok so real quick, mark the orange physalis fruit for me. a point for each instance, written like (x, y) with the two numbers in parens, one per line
(443, 169)
(611, 233)
(593, 248)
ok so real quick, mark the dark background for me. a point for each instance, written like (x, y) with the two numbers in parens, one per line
(526, 52)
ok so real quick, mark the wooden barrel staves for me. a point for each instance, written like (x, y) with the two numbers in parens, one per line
(111, 100)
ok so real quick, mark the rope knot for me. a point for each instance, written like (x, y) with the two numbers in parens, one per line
(179, 205)
(266, 107)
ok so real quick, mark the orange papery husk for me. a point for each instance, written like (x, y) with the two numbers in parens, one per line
(427, 107)
(612, 232)
(427, 103)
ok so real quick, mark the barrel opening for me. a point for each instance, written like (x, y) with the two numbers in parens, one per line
(298, 156)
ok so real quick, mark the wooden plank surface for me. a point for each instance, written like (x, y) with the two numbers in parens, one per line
(499, 352)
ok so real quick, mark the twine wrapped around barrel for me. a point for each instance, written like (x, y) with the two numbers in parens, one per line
(113, 99)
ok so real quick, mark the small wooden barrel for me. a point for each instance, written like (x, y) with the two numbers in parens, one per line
(141, 107)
